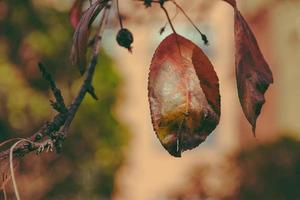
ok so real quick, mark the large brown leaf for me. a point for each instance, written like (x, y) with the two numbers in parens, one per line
(183, 95)
(81, 34)
(252, 71)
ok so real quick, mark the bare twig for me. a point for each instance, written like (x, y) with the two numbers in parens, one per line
(119, 14)
(59, 105)
(164, 27)
(169, 19)
(172, 27)
(203, 36)
(87, 84)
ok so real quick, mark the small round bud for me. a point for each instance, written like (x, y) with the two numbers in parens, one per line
(147, 3)
(161, 2)
(125, 38)
(38, 137)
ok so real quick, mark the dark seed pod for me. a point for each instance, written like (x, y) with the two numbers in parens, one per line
(147, 3)
(125, 38)
(162, 30)
(161, 2)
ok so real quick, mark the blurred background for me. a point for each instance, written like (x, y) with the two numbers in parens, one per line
(112, 151)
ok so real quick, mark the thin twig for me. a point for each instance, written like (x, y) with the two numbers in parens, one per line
(203, 36)
(169, 19)
(8, 141)
(12, 167)
(172, 27)
(59, 105)
(89, 77)
(163, 28)
(119, 14)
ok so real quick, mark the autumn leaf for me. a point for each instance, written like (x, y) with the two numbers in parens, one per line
(252, 71)
(183, 95)
(76, 12)
(81, 34)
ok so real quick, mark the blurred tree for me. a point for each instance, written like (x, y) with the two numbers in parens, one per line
(32, 32)
(268, 171)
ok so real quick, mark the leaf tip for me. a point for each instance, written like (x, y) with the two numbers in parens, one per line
(176, 154)
(254, 129)
(81, 70)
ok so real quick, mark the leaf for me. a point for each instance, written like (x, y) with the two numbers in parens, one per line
(252, 71)
(183, 95)
(81, 34)
(76, 12)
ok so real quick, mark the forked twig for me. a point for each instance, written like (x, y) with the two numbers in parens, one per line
(203, 36)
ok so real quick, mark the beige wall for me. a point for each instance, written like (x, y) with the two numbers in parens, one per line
(151, 171)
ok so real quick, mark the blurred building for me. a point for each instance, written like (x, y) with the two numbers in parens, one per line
(150, 170)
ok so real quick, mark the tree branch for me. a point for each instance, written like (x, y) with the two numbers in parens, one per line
(53, 133)
(59, 105)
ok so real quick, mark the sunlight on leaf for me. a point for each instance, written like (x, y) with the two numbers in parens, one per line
(183, 94)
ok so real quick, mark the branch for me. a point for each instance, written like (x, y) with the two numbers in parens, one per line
(59, 105)
(52, 133)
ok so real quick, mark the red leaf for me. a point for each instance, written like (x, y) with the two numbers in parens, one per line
(183, 95)
(82, 32)
(252, 71)
(76, 12)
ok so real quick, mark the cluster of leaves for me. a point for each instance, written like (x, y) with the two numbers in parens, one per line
(183, 86)
(184, 92)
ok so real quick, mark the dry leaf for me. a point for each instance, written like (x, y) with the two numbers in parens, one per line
(76, 12)
(81, 35)
(183, 95)
(252, 71)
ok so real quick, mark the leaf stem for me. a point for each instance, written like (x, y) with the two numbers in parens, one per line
(203, 36)
(169, 19)
(172, 27)
(119, 15)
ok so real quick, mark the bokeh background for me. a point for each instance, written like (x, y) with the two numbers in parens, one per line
(112, 151)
